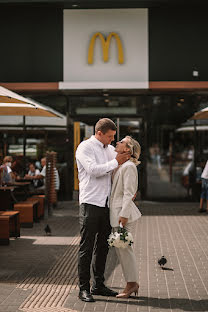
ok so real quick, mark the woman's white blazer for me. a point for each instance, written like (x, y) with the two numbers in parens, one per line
(125, 184)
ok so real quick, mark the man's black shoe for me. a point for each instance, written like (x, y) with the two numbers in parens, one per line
(86, 296)
(104, 291)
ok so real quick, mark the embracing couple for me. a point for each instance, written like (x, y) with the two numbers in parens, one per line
(108, 183)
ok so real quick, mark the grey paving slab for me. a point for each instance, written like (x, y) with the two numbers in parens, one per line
(8, 308)
(39, 273)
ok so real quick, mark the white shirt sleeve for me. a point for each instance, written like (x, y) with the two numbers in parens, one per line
(43, 171)
(37, 171)
(57, 179)
(9, 169)
(85, 156)
(205, 171)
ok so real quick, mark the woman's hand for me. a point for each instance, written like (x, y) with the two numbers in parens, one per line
(123, 221)
(135, 195)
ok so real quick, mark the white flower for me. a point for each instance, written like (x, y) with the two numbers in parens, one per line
(120, 239)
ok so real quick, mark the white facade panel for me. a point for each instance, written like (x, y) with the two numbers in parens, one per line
(132, 27)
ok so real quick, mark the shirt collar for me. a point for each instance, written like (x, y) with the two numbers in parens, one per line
(93, 138)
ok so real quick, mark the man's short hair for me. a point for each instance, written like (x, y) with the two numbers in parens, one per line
(104, 125)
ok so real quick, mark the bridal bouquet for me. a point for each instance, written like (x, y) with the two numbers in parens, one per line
(120, 239)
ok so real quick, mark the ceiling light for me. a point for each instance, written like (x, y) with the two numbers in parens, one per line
(105, 94)
(74, 5)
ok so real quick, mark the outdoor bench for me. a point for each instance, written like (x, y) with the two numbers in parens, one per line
(9, 226)
(41, 199)
(28, 212)
(32, 199)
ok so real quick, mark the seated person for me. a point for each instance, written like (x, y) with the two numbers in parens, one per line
(34, 172)
(7, 175)
(42, 175)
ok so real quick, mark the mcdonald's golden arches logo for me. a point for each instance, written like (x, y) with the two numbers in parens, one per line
(105, 47)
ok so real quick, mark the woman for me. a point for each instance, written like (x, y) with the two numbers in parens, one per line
(8, 175)
(124, 211)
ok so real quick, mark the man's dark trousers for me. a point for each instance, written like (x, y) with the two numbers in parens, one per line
(94, 230)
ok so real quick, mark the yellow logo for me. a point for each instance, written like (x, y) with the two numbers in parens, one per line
(105, 45)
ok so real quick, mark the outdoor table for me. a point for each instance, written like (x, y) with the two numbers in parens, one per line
(23, 180)
(6, 188)
(21, 183)
(14, 193)
(22, 192)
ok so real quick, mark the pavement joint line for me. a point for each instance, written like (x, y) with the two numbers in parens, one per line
(204, 233)
(162, 253)
(47, 309)
(163, 230)
(156, 272)
(139, 229)
(148, 272)
(193, 260)
(179, 265)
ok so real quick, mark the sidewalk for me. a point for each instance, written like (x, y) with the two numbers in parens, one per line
(39, 272)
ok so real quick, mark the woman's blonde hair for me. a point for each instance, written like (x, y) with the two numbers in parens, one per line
(135, 149)
(7, 159)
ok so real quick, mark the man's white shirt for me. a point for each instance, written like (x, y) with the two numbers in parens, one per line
(57, 180)
(95, 164)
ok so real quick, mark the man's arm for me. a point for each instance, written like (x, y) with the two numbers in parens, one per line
(85, 155)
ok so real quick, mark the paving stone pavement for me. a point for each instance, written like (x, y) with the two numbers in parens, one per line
(38, 273)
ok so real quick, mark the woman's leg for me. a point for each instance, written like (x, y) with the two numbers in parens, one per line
(127, 260)
(128, 263)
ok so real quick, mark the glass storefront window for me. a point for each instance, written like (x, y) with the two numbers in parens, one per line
(173, 169)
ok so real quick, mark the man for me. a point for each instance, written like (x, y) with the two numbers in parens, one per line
(95, 161)
(42, 175)
(33, 172)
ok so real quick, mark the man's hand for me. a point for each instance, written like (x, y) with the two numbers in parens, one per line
(123, 221)
(27, 176)
(122, 158)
